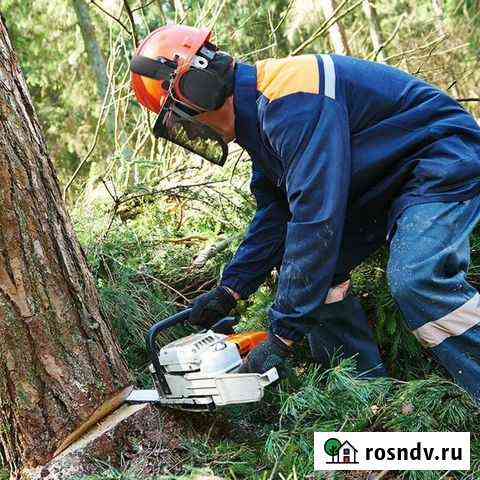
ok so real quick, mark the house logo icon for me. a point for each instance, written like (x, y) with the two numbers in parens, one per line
(340, 452)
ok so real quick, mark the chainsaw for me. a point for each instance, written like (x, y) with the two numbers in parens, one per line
(195, 373)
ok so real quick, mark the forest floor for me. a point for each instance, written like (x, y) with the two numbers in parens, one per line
(273, 439)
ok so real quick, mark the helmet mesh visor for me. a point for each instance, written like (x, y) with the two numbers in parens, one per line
(192, 135)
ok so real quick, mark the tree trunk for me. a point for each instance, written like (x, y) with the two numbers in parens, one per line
(336, 32)
(437, 6)
(375, 30)
(58, 358)
(94, 55)
(179, 8)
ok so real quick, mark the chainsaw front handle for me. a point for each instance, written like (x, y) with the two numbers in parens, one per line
(178, 318)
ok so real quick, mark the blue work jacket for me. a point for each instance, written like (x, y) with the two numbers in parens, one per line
(337, 143)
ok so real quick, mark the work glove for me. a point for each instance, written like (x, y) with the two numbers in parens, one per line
(271, 353)
(209, 308)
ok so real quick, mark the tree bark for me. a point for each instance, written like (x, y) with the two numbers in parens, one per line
(336, 32)
(58, 357)
(94, 55)
(437, 6)
(179, 8)
(375, 31)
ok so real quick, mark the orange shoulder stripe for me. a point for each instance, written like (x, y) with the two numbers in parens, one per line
(278, 78)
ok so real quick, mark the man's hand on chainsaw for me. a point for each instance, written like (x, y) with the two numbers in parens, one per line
(209, 308)
(271, 353)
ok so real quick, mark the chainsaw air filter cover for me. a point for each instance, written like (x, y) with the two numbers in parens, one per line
(208, 353)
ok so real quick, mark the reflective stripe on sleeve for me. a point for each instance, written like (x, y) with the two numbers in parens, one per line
(455, 323)
(329, 76)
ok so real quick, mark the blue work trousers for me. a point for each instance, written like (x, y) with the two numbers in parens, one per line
(427, 275)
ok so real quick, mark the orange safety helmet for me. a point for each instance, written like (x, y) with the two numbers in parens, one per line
(178, 73)
(170, 42)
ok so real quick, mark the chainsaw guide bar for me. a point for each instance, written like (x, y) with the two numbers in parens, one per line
(206, 394)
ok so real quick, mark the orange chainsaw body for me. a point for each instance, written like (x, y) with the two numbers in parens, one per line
(247, 341)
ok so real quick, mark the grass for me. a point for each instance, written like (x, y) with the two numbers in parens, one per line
(113, 474)
(272, 439)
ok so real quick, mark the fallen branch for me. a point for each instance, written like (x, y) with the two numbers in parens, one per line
(128, 197)
(190, 239)
(127, 205)
(147, 275)
(210, 251)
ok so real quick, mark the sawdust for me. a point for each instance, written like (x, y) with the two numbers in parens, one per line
(107, 408)
(102, 427)
(152, 447)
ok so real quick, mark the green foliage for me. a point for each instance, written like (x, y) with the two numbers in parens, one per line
(114, 474)
(254, 313)
(431, 404)
(49, 46)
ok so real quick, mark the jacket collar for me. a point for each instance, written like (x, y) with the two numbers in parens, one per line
(245, 105)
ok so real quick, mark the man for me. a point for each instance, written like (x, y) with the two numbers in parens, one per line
(347, 155)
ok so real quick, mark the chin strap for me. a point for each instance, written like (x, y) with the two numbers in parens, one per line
(161, 69)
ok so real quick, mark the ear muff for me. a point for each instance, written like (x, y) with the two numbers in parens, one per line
(204, 88)
(209, 87)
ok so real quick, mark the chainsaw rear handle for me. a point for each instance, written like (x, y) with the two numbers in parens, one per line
(225, 325)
